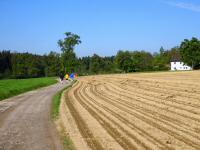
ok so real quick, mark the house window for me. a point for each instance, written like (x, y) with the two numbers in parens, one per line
(174, 62)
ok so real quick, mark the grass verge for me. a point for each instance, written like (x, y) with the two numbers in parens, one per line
(12, 87)
(65, 139)
(56, 101)
(56, 104)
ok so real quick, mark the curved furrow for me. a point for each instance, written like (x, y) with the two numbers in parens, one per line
(125, 143)
(82, 126)
(192, 83)
(174, 85)
(100, 108)
(166, 90)
(176, 124)
(162, 116)
(143, 82)
(167, 85)
(157, 92)
(152, 111)
(162, 96)
(149, 100)
(131, 125)
(163, 128)
(138, 96)
(146, 90)
(167, 98)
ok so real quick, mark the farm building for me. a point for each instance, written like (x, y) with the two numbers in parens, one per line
(177, 64)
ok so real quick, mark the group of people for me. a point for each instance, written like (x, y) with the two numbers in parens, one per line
(67, 77)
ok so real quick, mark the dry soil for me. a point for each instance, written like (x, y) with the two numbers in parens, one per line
(153, 111)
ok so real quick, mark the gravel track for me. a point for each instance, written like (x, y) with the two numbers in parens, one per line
(25, 122)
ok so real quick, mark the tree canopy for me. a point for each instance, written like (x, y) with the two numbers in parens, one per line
(68, 56)
(26, 65)
(69, 42)
(124, 61)
(190, 52)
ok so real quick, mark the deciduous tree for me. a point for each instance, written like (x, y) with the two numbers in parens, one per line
(190, 52)
(69, 59)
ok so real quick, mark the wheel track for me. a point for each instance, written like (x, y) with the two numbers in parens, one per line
(82, 126)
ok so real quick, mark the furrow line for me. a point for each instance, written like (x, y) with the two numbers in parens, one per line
(165, 119)
(156, 106)
(82, 126)
(141, 132)
(166, 91)
(153, 123)
(147, 90)
(171, 86)
(125, 143)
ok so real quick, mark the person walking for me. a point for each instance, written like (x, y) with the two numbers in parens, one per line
(61, 78)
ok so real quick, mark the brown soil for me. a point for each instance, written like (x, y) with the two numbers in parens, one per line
(154, 111)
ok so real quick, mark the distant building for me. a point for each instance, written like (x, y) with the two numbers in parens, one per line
(177, 64)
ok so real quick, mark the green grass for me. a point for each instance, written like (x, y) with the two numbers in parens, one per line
(67, 142)
(56, 104)
(13, 87)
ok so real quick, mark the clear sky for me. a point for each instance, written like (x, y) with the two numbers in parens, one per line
(105, 26)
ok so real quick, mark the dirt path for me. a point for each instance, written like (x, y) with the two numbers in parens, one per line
(153, 111)
(25, 122)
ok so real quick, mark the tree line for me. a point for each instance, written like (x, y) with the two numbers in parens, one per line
(26, 65)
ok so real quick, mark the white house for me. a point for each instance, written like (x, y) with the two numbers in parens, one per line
(178, 65)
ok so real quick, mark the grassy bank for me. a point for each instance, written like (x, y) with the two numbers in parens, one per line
(13, 87)
(66, 141)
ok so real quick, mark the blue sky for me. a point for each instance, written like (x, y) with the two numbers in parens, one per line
(105, 26)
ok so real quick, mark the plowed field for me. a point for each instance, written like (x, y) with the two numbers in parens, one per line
(154, 111)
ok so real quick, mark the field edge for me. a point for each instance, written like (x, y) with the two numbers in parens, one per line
(66, 141)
